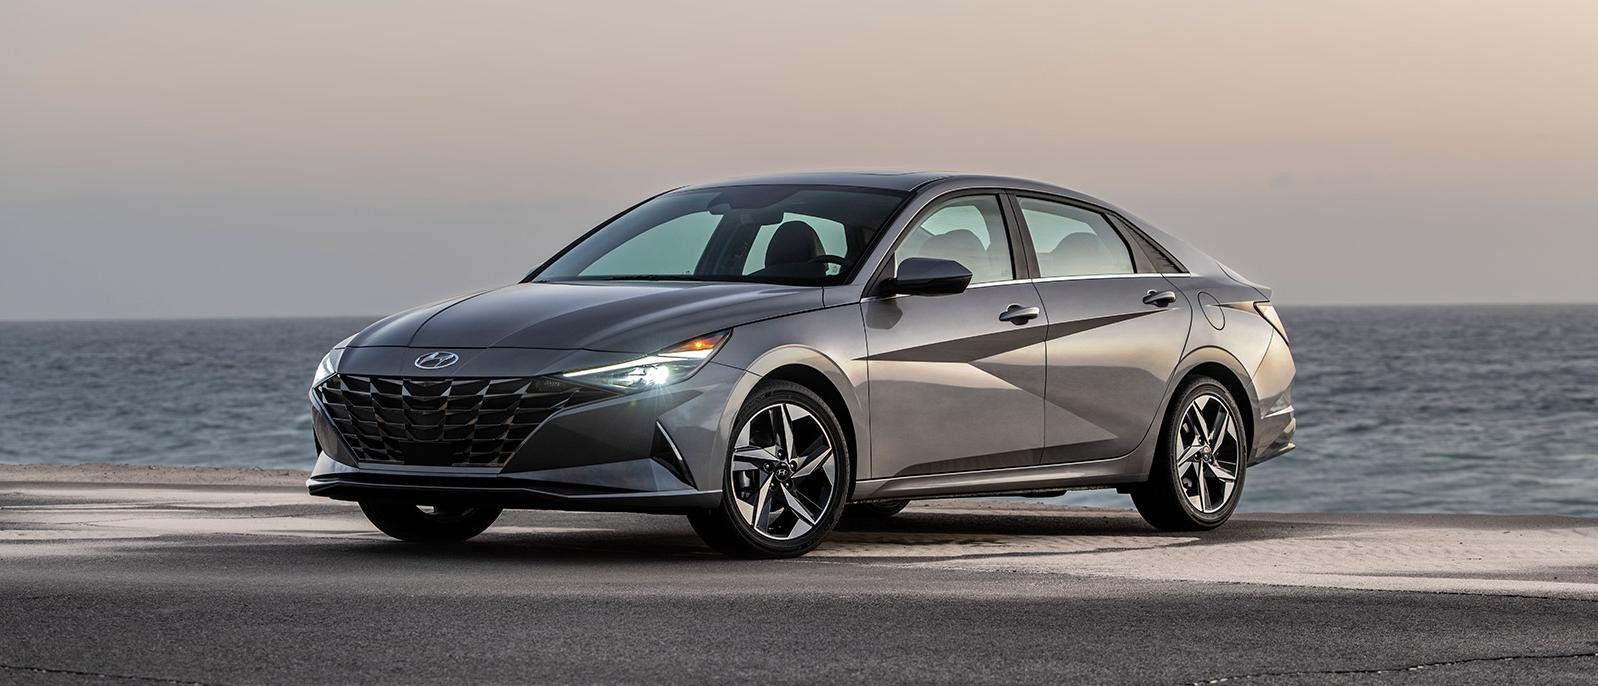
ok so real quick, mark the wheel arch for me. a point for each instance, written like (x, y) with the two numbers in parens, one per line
(816, 371)
(813, 379)
(1226, 370)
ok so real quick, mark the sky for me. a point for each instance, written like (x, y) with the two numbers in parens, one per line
(218, 158)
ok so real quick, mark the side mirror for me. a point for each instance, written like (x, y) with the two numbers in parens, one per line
(928, 276)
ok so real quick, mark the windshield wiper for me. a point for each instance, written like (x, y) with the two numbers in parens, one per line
(642, 277)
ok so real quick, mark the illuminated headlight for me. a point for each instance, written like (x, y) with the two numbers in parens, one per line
(668, 366)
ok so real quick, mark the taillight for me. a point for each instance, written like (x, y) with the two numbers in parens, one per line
(1268, 311)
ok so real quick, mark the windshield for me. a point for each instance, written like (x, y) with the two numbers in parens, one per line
(806, 235)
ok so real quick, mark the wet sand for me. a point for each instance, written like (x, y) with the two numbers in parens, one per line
(236, 576)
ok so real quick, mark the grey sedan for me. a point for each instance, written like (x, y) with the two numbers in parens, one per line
(770, 355)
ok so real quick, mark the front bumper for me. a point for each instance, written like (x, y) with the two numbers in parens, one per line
(653, 451)
(526, 490)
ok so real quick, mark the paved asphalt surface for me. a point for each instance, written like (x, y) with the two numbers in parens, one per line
(224, 584)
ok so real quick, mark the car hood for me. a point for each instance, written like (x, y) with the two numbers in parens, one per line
(630, 317)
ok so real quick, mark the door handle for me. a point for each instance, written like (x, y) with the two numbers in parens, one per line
(1018, 315)
(1159, 298)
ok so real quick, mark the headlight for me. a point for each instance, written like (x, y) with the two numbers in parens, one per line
(665, 367)
(328, 366)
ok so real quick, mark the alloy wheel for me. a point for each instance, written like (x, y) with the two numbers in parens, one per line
(1208, 454)
(783, 471)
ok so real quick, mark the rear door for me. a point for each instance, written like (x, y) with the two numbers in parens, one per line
(952, 387)
(1116, 330)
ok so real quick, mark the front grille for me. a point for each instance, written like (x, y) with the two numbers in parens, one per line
(443, 422)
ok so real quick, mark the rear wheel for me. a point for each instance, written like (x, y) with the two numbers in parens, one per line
(787, 474)
(1198, 470)
(429, 524)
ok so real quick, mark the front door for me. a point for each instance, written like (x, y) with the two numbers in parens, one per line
(1112, 346)
(953, 387)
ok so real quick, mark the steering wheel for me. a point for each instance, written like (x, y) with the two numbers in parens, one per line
(828, 259)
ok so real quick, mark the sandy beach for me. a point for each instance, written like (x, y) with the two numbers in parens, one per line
(200, 575)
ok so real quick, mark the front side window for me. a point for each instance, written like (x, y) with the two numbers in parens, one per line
(804, 235)
(1071, 241)
(969, 230)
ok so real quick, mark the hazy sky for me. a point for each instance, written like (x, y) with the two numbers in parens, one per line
(225, 158)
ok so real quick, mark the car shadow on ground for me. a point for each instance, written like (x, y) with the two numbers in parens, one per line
(924, 534)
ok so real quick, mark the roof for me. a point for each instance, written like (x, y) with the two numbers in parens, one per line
(890, 180)
(897, 181)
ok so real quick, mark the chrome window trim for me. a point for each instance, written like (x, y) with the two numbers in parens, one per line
(1006, 282)
(1085, 277)
(985, 284)
(1012, 282)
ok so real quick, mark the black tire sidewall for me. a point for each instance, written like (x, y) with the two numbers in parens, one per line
(408, 523)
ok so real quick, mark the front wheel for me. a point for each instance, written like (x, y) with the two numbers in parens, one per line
(429, 524)
(788, 472)
(1198, 471)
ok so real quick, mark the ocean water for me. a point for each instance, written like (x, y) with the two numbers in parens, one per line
(1401, 409)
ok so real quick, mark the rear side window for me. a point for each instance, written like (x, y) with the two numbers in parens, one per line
(1072, 241)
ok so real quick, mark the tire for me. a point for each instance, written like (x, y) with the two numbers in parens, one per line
(796, 486)
(1180, 494)
(435, 525)
(873, 512)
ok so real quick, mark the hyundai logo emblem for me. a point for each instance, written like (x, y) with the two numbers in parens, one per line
(437, 360)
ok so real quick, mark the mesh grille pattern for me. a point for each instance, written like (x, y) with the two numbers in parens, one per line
(441, 422)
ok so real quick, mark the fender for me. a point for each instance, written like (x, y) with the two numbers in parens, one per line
(1194, 358)
(1219, 356)
(847, 388)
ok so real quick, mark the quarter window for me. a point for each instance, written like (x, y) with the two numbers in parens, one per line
(1071, 241)
(969, 230)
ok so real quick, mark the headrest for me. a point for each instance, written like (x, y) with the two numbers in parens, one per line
(794, 241)
(1081, 242)
(953, 245)
(960, 245)
(1079, 254)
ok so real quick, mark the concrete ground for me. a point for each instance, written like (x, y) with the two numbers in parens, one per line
(169, 575)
